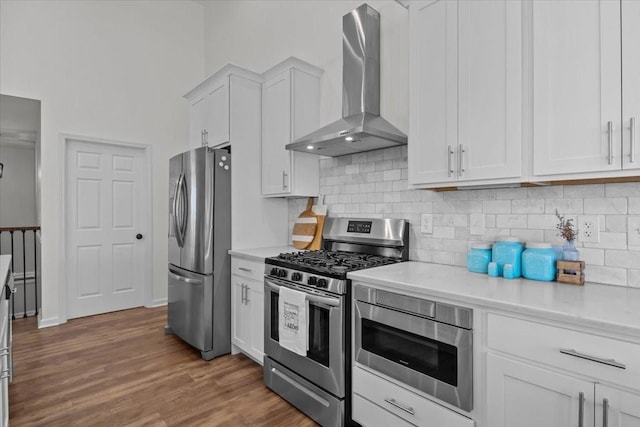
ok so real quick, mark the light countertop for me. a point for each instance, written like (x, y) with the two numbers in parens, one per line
(604, 307)
(259, 254)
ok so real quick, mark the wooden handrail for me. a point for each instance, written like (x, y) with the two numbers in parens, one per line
(32, 227)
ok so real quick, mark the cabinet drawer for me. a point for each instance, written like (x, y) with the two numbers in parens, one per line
(249, 269)
(566, 349)
(370, 415)
(402, 402)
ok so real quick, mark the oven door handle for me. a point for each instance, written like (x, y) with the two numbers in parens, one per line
(333, 302)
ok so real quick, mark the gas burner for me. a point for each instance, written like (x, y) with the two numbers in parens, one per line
(334, 261)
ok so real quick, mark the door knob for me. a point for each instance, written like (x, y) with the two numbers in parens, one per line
(138, 236)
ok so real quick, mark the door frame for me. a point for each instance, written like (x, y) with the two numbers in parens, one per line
(147, 226)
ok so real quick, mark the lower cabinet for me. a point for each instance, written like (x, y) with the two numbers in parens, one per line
(247, 309)
(543, 375)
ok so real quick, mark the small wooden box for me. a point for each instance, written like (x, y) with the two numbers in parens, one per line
(571, 272)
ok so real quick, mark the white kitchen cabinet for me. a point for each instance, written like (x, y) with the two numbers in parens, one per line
(290, 110)
(572, 373)
(586, 89)
(247, 308)
(233, 100)
(466, 93)
(209, 113)
(525, 396)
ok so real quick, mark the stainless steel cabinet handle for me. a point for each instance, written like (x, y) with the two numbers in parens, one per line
(632, 137)
(248, 270)
(610, 137)
(610, 362)
(449, 154)
(205, 141)
(461, 152)
(393, 402)
(605, 412)
(246, 294)
(242, 298)
(284, 180)
(581, 409)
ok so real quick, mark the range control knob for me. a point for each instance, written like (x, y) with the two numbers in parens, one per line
(274, 271)
(282, 273)
(322, 283)
(296, 277)
(312, 280)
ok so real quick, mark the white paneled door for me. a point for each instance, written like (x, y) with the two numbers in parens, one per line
(105, 242)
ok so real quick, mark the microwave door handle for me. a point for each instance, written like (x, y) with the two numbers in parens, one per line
(333, 302)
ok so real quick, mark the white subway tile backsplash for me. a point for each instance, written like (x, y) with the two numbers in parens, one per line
(496, 206)
(623, 189)
(374, 184)
(607, 275)
(527, 206)
(607, 205)
(620, 258)
(609, 241)
(511, 221)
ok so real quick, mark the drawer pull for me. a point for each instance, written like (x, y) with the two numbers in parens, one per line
(610, 362)
(393, 402)
(581, 409)
(248, 270)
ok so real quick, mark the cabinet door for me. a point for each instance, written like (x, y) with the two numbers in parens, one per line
(616, 408)
(197, 115)
(255, 296)
(433, 103)
(489, 89)
(218, 113)
(630, 83)
(525, 396)
(576, 86)
(241, 325)
(276, 134)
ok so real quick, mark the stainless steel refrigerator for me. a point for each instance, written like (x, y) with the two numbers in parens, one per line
(199, 294)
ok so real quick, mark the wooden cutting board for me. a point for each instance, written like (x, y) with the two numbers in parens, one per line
(305, 227)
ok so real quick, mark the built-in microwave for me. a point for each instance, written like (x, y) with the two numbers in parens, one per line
(424, 344)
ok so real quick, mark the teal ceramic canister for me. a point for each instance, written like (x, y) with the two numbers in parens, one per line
(508, 250)
(539, 262)
(479, 257)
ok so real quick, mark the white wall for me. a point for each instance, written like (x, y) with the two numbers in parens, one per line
(112, 70)
(259, 34)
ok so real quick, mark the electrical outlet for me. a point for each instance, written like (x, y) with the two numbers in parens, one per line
(426, 223)
(589, 228)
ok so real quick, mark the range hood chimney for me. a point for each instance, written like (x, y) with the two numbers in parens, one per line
(361, 127)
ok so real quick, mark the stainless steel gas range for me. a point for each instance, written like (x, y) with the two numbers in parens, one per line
(317, 381)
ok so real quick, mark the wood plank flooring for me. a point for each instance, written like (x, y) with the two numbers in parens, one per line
(119, 369)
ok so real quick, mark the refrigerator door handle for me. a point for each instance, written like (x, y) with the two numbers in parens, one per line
(185, 208)
(177, 199)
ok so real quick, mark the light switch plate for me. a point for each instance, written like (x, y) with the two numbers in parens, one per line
(426, 223)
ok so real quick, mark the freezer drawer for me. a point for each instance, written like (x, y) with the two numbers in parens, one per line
(189, 307)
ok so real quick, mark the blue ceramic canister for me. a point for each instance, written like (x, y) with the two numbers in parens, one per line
(539, 262)
(479, 257)
(508, 250)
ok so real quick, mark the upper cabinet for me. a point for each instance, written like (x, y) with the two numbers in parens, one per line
(586, 87)
(209, 113)
(290, 110)
(466, 93)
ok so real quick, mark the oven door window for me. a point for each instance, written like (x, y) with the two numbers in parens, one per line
(430, 357)
(318, 330)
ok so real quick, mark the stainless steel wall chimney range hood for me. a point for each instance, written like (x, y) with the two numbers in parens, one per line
(361, 127)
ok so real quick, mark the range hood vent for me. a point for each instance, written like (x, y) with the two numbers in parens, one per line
(361, 127)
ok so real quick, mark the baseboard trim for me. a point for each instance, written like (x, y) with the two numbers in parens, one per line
(158, 302)
(49, 322)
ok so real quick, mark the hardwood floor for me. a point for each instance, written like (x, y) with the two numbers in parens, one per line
(119, 369)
